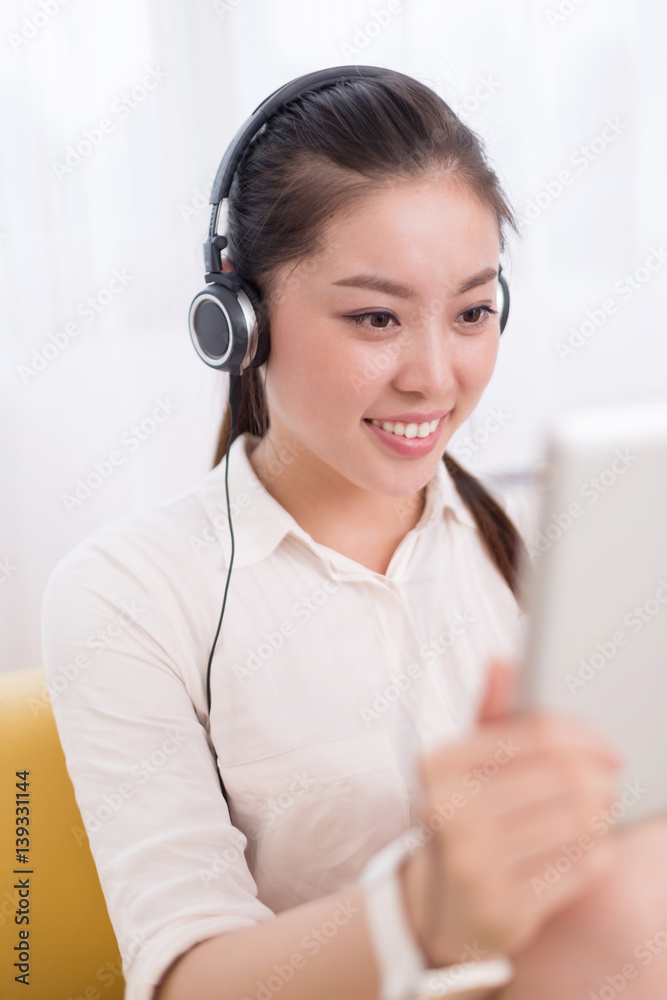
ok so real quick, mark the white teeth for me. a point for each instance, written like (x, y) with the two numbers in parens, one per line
(407, 430)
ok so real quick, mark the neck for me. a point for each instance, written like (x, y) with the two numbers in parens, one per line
(362, 524)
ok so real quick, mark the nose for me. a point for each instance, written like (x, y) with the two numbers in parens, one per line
(426, 359)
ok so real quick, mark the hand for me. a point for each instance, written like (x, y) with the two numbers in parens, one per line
(513, 794)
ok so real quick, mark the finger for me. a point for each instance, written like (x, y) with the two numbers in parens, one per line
(497, 742)
(498, 698)
(532, 778)
(573, 870)
(552, 823)
(526, 792)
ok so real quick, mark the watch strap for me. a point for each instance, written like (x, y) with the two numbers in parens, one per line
(403, 966)
(399, 958)
(457, 980)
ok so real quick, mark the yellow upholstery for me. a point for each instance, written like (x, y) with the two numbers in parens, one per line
(73, 949)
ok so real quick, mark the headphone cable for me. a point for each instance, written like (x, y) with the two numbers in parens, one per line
(235, 404)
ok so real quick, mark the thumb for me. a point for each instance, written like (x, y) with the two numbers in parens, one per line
(498, 698)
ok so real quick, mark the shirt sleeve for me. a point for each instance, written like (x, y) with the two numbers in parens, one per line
(171, 864)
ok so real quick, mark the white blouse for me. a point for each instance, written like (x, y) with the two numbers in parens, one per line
(328, 679)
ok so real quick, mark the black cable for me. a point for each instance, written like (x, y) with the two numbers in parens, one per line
(235, 403)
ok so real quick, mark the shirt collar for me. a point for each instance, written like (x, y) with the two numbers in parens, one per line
(260, 523)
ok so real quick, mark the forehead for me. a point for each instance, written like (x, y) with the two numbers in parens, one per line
(423, 228)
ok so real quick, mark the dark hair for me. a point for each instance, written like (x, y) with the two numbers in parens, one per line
(313, 158)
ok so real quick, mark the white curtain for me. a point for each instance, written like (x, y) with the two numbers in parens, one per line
(115, 115)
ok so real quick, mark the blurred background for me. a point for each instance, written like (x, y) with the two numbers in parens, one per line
(115, 116)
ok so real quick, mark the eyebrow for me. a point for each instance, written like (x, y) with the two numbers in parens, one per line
(378, 284)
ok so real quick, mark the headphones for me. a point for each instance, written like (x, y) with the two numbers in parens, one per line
(223, 316)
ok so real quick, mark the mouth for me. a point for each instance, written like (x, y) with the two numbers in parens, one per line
(414, 446)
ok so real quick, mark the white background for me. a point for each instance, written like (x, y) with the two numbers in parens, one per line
(536, 85)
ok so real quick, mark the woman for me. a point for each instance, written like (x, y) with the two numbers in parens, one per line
(367, 562)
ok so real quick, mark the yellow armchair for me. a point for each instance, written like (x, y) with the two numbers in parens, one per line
(54, 922)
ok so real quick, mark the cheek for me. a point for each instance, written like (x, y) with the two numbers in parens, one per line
(342, 379)
(316, 375)
(475, 362)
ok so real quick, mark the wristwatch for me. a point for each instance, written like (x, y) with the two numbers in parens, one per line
(403, 967)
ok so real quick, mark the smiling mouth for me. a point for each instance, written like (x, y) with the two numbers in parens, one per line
(400, 428)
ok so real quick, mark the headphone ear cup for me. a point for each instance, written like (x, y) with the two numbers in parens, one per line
(218, 327)
(263, 340)
(505, 296)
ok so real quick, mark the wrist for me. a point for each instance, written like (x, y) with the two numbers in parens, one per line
(403, 965)
(416, 880)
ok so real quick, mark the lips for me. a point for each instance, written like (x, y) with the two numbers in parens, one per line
(409, 447)
(411, 418)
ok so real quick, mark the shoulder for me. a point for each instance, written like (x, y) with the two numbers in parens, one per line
(138, 578)
(135, 544)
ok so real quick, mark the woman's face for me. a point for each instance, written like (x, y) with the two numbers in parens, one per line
(424, 351)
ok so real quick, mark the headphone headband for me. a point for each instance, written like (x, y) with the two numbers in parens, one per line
(263, 111)
(251, 126)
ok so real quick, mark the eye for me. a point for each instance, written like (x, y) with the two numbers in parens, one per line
(474, 312)
(380, 314)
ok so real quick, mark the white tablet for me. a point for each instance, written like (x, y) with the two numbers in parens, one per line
(595, 645)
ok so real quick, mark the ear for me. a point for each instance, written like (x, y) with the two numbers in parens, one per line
(225, 264)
